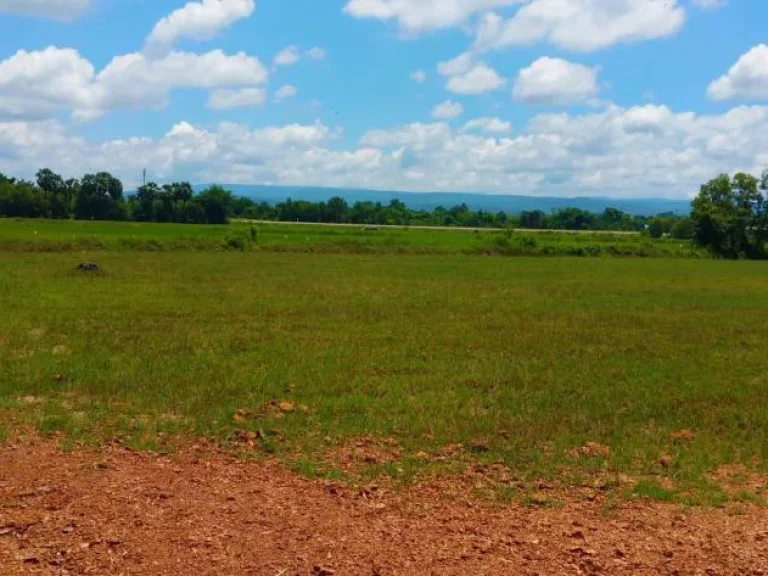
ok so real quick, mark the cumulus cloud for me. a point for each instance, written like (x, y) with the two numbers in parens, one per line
(38, 84)
(490, 125)
(447, 110)
(288, 56)
(285, 92)
(468, 76)
(418, 76)
(224, 99)
(42, 83)
(459, 65)
(415, 16)
(479, 79)
(563, 154)
(316, 53)
(201, 20)
(555, 81)
(581, 25)
(748, 78)
(55, 9)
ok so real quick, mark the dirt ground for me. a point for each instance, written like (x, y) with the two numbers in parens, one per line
(117, 512)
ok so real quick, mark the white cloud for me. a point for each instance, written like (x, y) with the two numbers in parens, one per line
(581, 25)
(55, 9)
(459, 65)
(133, 80)
(201, 20)
(288, 56)
(467, 76)
(285, 92)
(671, 153)
(224, 99)
(447, 110)
(709, 4)
(490, 125)
(418, 76)
(316, 53)
(479, 79)
(416, 16)
(38, 84)
(748, 78)
(555, 81)
(417, 136)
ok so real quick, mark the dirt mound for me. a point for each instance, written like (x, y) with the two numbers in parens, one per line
(119, 512)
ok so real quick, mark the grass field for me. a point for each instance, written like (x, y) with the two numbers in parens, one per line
(521, 360)
(67, 236)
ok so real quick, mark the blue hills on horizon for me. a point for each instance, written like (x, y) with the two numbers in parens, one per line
(431, 200)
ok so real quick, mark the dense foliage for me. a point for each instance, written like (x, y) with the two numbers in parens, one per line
(730, 215)
(337, 210)
(101, 197)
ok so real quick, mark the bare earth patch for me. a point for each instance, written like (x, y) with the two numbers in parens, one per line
(120, 512)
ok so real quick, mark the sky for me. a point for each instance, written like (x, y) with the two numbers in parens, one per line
(620, 98)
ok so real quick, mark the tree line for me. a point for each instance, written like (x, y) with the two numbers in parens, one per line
(101, 197)
(338, 211)
(729, 216)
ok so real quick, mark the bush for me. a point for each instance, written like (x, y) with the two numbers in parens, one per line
(239, 242)
(683, 229)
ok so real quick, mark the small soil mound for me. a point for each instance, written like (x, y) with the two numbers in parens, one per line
(88, 267)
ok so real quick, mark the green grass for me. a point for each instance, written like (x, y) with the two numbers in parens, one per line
(69, 236)
(523, 358)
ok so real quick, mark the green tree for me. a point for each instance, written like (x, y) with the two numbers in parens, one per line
(729, 217)
(683, 229)
(215, 203)
(54, 189)
(534, 220)
(338, 209)
(98, 198)
(656, 227)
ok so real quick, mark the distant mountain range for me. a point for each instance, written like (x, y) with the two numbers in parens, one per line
(431, 200)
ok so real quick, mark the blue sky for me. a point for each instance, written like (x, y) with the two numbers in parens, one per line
(555, 97)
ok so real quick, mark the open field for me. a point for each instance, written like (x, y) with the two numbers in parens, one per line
(328, 401)
(388, 362)
(417, 227)
(69, 236)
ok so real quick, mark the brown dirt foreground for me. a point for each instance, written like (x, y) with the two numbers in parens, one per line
(118, 512)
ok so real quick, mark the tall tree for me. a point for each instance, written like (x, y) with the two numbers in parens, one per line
(98, 197)
(729, 217)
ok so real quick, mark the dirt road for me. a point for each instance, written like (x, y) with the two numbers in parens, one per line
(117, 512)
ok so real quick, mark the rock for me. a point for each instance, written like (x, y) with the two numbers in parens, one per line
(114, 541)
(68, 529)
(287, 407)
(666, 461)
(578, 534)
(322, 571)
(88, 267)
(30, 559)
